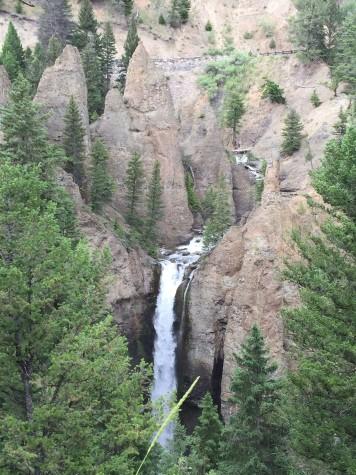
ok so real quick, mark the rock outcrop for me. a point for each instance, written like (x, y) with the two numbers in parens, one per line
(154, 130)
(59, 82)
(132, 277)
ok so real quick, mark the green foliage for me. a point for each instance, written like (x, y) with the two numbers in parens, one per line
(315, 28)
(101, 183)
(173, 458)
(292, 133)
(273, 92)
(154, 204)
(73, 143)
(179, 12)
(56, 20)
(206, 438)
(134, 184)
(54, 50)
(128, 7)
(260, 183)
(19, 7)
(253, 441)
(131, 43)
(341, 124)
(34, 66)
(335, 179)
(314, 99)
(208, 202)
(229, 72)
(345, 61)
(25, 137)
(268, 27)
(232, 110)
(220, 219)
(193, 200)
(208, 26)
(108, 50)
(161, 20)
(248, 35)
(87, 20)
(12, 54)
(322, 400)
(93, 73)
(272, 44)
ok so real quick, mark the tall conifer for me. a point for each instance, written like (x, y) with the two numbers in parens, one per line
(101, 183)
(220, 217)
(56, 20)
(134, 184)
(292, 133)
(108, 49)
(154, 204)
(94, 77)
(12, 54)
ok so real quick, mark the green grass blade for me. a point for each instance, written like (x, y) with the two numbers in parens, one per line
(167, 420)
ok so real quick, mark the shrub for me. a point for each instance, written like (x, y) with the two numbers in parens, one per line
(18, 7)
(273, 92)
(248, 35)
(272, 44)
(161, 20)
(268, 27)
(208, 26)
(314, 99)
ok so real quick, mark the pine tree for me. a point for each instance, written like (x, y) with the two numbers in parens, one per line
(253, 441)
(341, 125)
(174, 15)
(206, 438)
(273, 92)
(233, 110)
(54, 50)
(12, 55)
(321, 392)
(220, 219)
(292, 133)
(56, 20)
(315, 28)
(101, 183)
(128, 7)
(193, 200)
(208, 203)
(35, 67)
(65, 373)
(184, 8)
(108, 54)
(73, 143)
(154, 204)
(134, 184)
(345, 61)
(314, 99)
(93, 73)
(131, 43)
(24, 134)
(87, 20)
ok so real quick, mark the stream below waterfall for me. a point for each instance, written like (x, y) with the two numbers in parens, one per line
(173, 268)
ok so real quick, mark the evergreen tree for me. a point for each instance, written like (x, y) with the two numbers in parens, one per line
(173, 458)
(154, 204)
(174, 16)
(193, 200)
(93, 73)
(56, 20)
(134, 184)
(314, 99)
(233, 110)
(220, 219)
(12, 55)
(128, 7)
(87, 20)
(206, 438)
(131, 43)
(25, 137)
(68, 392)
(208, 202)
(292, 133)
(54, 50)
(322, 397)
(108, 54)
(184, 8)
(273, 92)
(314, 29)
(345, 61)
(341, 124)
(35, 67)
(73, 143)
(19, 7)
(253, 441)
(101, 183)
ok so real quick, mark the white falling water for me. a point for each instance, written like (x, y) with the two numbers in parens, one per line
(164, 361)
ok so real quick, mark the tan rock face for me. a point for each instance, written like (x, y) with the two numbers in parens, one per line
(155, 135)
(5, 86)
(59, 82)
(131, 280)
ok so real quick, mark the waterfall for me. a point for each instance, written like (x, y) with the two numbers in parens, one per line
(164, 357)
